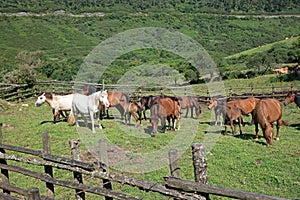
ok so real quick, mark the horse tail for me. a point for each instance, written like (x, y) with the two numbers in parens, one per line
(71, 119)
(282, 123)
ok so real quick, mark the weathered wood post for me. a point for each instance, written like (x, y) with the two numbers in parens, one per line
(74, 145)
(4, 172)
(200, 165)
(103, 159)
(174, 165)
(48, 169)
(34, 194)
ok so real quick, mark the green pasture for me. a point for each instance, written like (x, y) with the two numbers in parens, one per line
(233, 161)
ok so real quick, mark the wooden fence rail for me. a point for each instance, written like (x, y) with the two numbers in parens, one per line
(174, 187)
(19, 92)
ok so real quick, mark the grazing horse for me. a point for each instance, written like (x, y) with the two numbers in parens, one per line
(58, 103)
(135, 110)
(164, 108)
(88, 105)
(292, 97)
(189, 102)
(266, 112)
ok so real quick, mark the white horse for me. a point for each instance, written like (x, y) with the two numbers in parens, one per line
(88, 105)
(57, 102)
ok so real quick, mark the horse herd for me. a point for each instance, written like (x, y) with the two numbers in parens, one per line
(167, 108)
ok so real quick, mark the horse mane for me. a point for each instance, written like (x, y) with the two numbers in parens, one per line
(48, 95)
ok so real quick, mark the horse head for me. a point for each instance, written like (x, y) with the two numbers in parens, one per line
(103, 97)
(290, 98)
(212, 103)
(268, 134)
(40, 100)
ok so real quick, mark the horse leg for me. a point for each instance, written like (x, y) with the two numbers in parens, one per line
(278, 123)
(163, 124)
(56, 116)
(75, 116)
(187, 112)
(256, 131)
(240, 121)
(92, 120)
(192, 111)
(233, 126)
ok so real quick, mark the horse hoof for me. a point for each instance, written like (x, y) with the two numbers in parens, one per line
(152, 134)
(255, 139)
(277, 138)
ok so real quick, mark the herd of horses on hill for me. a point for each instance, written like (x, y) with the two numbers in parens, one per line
(164, 108)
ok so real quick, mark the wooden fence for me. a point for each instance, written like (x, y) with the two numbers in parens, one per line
(173, 187)
(14, 92)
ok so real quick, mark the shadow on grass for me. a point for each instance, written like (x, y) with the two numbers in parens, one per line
(296, 126)
(250, 137)
(48, 121)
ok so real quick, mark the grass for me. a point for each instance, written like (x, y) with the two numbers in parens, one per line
(233, 161)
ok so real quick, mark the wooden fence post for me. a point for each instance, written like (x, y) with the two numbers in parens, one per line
(4, 172)
(103, 159)
(200, 165)
(74, 145)
(48, 169)
(174, 165)
(34, 194)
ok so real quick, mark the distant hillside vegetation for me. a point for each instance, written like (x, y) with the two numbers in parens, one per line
(185, 6)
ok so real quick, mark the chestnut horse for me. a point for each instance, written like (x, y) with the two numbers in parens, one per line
(135, 110)
(164, 108)
(232, 114)
(246, 105)
(292, 97)
(266, 112)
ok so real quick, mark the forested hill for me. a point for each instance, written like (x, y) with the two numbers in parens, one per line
(184, 6)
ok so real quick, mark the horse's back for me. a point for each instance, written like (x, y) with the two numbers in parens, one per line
(167, 107)
(246, 105)
(267, 109)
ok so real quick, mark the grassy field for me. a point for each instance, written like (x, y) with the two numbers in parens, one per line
(233, 161)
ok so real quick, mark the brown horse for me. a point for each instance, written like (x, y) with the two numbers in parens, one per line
(189, 102)
(292, 97)
(135, 110)
(266, 112)
(164, 108)
(233, 114)
(224, 113)
(119, 100)
(219, 106)
(246, 105)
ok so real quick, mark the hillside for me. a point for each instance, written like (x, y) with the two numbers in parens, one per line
(183, 6)
(59, 43)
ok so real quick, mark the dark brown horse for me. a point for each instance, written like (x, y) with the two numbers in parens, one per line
(146, 102)
(266, 112)
(189, 102)
(219, 106)
(164, 108)
(292, 97)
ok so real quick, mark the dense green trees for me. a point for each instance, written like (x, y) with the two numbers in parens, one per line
(185, 6)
